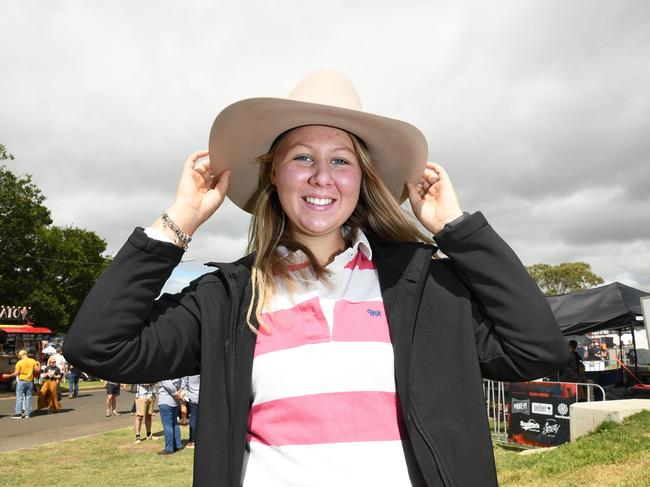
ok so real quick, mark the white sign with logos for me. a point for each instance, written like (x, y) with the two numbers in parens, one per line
(542, 408)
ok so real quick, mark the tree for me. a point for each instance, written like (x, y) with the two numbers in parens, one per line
(44, 266)
(68, 278)
(4, 154)
(563, 278)
(24, 219)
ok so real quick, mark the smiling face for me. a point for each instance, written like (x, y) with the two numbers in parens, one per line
(317, 176)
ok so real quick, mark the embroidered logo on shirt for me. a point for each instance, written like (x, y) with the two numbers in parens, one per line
(374, 313)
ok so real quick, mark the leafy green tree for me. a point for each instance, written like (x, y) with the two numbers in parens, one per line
(68, 277)
(563, 278)
(44, 266)
(4, 154)
(24, 221)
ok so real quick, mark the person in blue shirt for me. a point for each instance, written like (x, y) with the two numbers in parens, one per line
(169, 397)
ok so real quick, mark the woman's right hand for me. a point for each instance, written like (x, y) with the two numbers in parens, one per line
(200, 193)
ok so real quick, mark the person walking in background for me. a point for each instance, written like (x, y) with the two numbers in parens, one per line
(60, 360)
(73, 381)
(169, 397)
(145, 396)
(112, 391)
(604, 352)
(47, 395)
(191, 386)
(62, 364)
(26, 369)
(574, 369)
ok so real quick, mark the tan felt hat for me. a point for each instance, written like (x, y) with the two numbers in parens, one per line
(246, 129)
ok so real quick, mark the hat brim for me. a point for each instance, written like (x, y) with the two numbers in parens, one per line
(246, 129)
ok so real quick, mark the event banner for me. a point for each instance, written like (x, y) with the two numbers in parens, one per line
(539, 412)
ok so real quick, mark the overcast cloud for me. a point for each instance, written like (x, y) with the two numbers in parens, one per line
(539, 110)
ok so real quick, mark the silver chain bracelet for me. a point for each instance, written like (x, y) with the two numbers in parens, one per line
(182, 239)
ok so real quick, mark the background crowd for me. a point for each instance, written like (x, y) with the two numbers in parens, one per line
(177, 399)
(178, 404)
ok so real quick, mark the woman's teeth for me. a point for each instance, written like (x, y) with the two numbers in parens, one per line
(318, 201)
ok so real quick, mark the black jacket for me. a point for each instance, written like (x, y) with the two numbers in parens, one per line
(452, 322)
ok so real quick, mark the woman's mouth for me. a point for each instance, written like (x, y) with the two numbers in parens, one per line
(318, 201)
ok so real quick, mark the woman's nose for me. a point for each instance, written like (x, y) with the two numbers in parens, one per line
(322, 174)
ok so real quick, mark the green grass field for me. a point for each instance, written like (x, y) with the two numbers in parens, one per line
(84, 384)
(107, 460)
(615, 455)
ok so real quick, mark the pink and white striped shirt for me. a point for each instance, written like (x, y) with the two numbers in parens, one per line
(324, 409)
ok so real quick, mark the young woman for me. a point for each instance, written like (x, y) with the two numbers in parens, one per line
(47, 395)
(339, 351)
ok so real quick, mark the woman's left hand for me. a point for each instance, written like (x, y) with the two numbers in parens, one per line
(434, 200)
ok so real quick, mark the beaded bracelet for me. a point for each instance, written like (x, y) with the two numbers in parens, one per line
(182, 239)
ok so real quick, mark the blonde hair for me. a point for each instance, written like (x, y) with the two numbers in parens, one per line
(51, 360)
(376, 210)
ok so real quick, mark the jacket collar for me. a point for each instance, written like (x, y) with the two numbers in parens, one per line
(243, 265)
(403, 258)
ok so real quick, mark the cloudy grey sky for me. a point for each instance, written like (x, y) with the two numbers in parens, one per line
(539, 110)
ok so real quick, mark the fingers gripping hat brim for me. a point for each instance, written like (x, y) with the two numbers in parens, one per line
(245, 130)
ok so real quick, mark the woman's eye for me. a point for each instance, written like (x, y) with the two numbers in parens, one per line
(303, 157)
(339, 161)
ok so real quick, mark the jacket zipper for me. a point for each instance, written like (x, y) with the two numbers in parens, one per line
(412, 414)
(231, 346)
(432, 449)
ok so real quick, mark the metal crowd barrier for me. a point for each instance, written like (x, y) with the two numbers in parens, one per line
(497, 409)
(589, 387)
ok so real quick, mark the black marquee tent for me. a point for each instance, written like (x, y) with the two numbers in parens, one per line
(611, 307)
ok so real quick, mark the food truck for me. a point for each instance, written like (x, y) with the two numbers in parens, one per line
(17, 333)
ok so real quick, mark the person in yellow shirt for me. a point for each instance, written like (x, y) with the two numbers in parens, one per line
(26, 367)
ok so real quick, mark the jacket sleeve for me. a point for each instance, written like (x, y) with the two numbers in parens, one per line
(123, 333)
(517, 336)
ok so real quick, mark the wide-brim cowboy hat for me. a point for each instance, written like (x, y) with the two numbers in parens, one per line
(246, 129)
